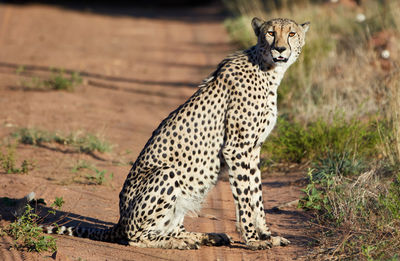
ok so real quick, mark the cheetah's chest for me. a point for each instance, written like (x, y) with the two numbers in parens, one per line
(268, 120)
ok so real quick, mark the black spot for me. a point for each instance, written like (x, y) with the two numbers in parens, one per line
(170, 189)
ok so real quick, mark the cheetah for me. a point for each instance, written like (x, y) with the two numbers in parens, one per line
(224, 122)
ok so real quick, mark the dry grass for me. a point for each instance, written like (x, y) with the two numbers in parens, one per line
(391, 139)
(358, 217)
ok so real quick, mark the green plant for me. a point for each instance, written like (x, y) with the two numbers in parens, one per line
(293, 142)
(32, 136)
(82, 142)
(100, 177)
(56, 81)
(87, 143)
(2, 232)
(82, 164)
(367, 250)
(29, 235)
(338, 163)
(391, 199)
(315, 197)
(8, 162)
(58, 202)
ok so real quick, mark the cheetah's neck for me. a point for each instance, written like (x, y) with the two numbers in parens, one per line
(272, 72)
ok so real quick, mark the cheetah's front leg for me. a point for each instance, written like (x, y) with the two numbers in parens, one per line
(245, 180)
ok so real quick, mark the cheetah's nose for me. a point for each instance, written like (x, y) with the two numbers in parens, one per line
(280, 49)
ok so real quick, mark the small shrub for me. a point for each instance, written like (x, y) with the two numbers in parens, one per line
(391, 200)
(58, 202)
(81, 164)
(9, 165)
(8, 160)
(29, 235)
(57, 81)
(334, 163)
(100, 177)
(315, 198)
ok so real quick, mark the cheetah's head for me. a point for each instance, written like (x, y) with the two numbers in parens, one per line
(280, 40)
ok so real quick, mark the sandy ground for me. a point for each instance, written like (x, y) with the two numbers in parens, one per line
(137, 65)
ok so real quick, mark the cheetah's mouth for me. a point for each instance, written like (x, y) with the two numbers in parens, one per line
(280, 59)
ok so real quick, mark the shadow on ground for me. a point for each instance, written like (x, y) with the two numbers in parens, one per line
(180, 10)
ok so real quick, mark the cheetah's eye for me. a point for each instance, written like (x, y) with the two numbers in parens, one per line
(291, 34)
(271, 33)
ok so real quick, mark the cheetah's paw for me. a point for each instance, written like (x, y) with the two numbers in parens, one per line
(259, 245)
(217, 239)
(279, 241)
(185, 244)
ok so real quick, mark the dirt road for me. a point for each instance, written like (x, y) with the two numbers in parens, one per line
(137, 66)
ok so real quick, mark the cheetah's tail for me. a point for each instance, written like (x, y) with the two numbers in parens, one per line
(107, 234)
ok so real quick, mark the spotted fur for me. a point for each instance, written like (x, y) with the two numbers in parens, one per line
(228, 118)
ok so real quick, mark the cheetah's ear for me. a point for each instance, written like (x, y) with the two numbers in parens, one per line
(256, 23)
(305, 26)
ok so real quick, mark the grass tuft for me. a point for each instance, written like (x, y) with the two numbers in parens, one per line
(57, 81)
(85, 143)
(98, 177)
(9, 165)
